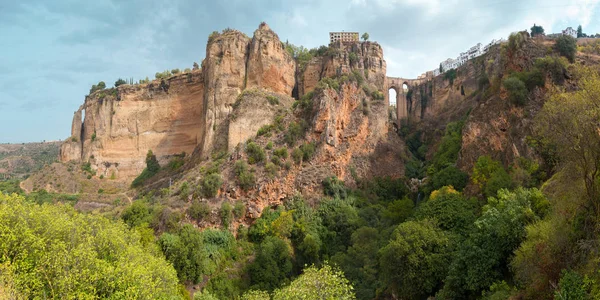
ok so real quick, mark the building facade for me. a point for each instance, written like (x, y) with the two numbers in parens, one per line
(343, 36)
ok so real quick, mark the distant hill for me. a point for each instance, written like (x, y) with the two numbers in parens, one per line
(20, 160)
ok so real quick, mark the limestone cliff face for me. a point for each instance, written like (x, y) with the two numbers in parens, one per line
(366, 58)
(122, 124)
(269, 64)
(192, 112)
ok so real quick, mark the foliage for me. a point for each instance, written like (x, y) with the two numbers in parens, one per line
(447, 152)
(450, 75)
(97, 87)
(450, 175)
(398, 211)
(294, 132)
(572, 286)
(490, 176)
(532, 79)
(210, 185)
(120, 82)
(245, 176)
(185, 250)
(281, 153)
(450, 209)
(226, 214)
(569, 122)
(537, 30)
(566, 46)
(324, 283)
(482, 257)
(271, 169)
(152, 167)
(365, 37)
(517, 91)
(255, 153)
(138, 214)
(272, 100)
(239, 209)
(339, 220)
(553, 65)
(81, 256)
(264, 130)
(334, 187)
(516, 41)
(273, 264)
(162, 75)
(416, 259)
(297, 155)
(198, 210)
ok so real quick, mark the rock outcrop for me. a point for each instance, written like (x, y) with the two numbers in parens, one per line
(190, 112)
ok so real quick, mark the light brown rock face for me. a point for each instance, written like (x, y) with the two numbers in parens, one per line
(224, 78)
(121, 126)
(269, 64)
(254, 109)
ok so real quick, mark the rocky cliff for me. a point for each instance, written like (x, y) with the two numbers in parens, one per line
(114, 128)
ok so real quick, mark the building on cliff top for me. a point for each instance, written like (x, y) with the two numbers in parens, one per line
(343, 36)
(570, 31)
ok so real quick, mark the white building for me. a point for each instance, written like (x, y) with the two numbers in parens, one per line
(474, 51)
(448, 64)
(570, 31)
(343, 36)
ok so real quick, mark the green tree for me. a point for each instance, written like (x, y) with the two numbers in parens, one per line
(537, 30)
(339, 220)
(120, 82)
(572, 285)
(98, 87)
(450, 175)
(567, 46)
(569, 120)
(580, 32)
(272, 266)
(490, 176)
(483, 256)
(415, 261)
(365, 36)
(152, 167)
(255, 153)
(53, 251)
(451, 210)
(185, 250)
(517, 90)
(211, 184)
(324, 283)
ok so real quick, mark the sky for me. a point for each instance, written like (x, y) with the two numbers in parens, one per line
(51, 52)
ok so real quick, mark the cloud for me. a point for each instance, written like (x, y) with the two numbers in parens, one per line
(53, 51)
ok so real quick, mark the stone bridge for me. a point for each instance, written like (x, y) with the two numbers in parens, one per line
(397, 84)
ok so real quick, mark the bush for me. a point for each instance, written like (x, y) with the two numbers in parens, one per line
(297, 155)
(271, 169)
(244, 176)
(490, 176)
(211, 184)
(269, 145)
(175, 71)
(377, 95)
(273, 100)
(294, 132)
(517, 91)
(264, 130)
(451, 176)
(255, 153)
(152, 167)
(198, 211)
(515, 41)
(120, 82)
(553, 65)
(532, 79)
(97, 87)
(567, 47)
(334, 187)
(239, 209)
(281, 153)
(308, 150)
(450, 75)
(226, 214)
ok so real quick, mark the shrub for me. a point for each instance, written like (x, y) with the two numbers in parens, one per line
(353, 58)
(517, 91)
(264, 130)
(97, 87)
(226, 214)
(450, 75)
(377, 95)
(152, 167)
(567, 47)
(120, 82)
(490, 176)
(308, 150)
(297, 155)
(531, 79)
(239, 209)
(271, 169)
(328, 82)
(255, 153)
(94, 136)
(245, 177)
(211, 184)
(269, 145)
(175, 71)
(450, 176)
(281, 153)
(198, 211)
(515, 41)
(553, 65)
(273, 100)
(334, 187)
(295, 131)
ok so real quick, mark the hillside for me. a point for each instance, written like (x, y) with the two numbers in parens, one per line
(20, 160)
(271, 158)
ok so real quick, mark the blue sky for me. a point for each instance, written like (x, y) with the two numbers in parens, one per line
(51, 52)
